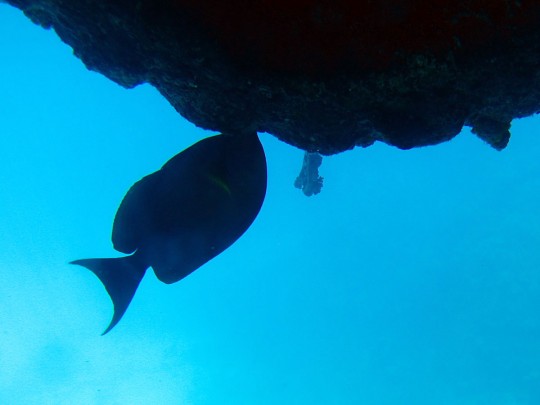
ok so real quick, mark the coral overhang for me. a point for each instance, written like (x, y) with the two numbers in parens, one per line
(324, 75)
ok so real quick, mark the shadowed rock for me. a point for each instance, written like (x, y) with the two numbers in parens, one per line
(323, 75)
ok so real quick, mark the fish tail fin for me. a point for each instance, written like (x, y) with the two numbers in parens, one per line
(121, 277)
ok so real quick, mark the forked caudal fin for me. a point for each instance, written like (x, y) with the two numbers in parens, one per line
(121, 277)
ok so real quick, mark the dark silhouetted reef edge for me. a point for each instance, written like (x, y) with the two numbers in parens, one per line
(325, 76)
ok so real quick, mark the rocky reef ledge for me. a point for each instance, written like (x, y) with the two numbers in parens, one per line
(323, 75)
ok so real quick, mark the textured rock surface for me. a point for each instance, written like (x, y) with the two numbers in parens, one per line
(322, 75)
(309, 180)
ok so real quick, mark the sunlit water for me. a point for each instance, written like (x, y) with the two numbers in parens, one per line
(413, 278)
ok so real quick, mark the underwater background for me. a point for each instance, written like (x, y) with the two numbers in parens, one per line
(413, 278)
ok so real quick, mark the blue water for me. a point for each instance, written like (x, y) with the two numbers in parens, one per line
(413, 278)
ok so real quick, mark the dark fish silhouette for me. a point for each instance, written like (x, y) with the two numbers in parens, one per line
(178, 218)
